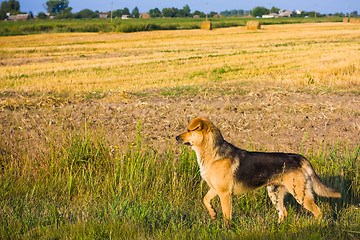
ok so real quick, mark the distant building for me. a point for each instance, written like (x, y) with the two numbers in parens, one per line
(11, 18)
(196, 16)
(125, 17)
(18, 17)
(271, 15)
(103, 15)
(285, 13)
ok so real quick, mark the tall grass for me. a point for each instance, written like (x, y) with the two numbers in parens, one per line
(79, 185)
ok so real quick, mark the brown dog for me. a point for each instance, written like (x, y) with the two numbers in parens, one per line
(231, 170)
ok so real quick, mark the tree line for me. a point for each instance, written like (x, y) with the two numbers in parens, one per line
(60, 9)
(259, 11)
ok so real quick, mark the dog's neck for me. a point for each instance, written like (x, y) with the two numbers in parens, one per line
(207, 152)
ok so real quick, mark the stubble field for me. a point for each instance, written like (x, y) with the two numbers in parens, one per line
(88, 123)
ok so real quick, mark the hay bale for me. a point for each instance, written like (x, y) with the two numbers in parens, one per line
(206, 25)
(253, 25)
(145, 16)
(345, 20)
(354, 20)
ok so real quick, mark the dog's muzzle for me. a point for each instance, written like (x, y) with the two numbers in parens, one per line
(179, 140)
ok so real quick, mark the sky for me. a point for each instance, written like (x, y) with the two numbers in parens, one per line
(322, 6)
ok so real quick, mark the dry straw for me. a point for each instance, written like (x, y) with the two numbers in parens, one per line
(354, 20)
(206, 25)
(252, 25)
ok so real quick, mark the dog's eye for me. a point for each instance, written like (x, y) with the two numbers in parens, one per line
(188, 130)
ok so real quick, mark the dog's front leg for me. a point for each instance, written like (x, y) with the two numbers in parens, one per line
(225, 200)
(207, 201)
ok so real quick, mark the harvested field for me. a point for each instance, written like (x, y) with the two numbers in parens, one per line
(268, 117)
(281, 82)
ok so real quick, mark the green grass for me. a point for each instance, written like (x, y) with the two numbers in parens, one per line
(78, 185)
(9, 28)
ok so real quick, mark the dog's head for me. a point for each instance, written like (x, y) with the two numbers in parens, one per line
(198, 131)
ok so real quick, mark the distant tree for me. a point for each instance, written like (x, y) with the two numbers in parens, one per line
(155, 12)
(237, 12)
(135, 12)
(56, 6)
(86, 13)
(354, 14)
(275, 10)
(225, 13)
(201, 14)
(10, 6)
(42, 15)
(312, 14)
(212, 13)
(180, 13)
(233, 12)
(259, 11)
(120, 12)
(126, 11)
(168, 12)
(187, 10)
(66, 13)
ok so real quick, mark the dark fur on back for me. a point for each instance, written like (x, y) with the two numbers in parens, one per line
(258, 168)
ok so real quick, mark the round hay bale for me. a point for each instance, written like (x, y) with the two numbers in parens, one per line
(206, 25)
(345, 20)
(253, 25)
(354, 20)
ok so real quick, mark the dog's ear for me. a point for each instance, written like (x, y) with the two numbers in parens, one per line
(196, 124)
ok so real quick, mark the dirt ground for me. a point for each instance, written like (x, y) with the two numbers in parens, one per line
(262, 118)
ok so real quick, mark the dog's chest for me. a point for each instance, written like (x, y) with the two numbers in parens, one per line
(201, 164)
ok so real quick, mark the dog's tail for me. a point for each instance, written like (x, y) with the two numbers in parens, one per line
(318, 186)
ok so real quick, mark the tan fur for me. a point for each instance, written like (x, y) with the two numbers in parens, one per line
(219, 172)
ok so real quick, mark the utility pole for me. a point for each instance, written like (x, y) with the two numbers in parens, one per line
(206, 11)
(112, 3)
(270, 7)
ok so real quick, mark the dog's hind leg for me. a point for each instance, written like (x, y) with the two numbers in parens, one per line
(277, 194)
(207, 201)
(299, 186)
